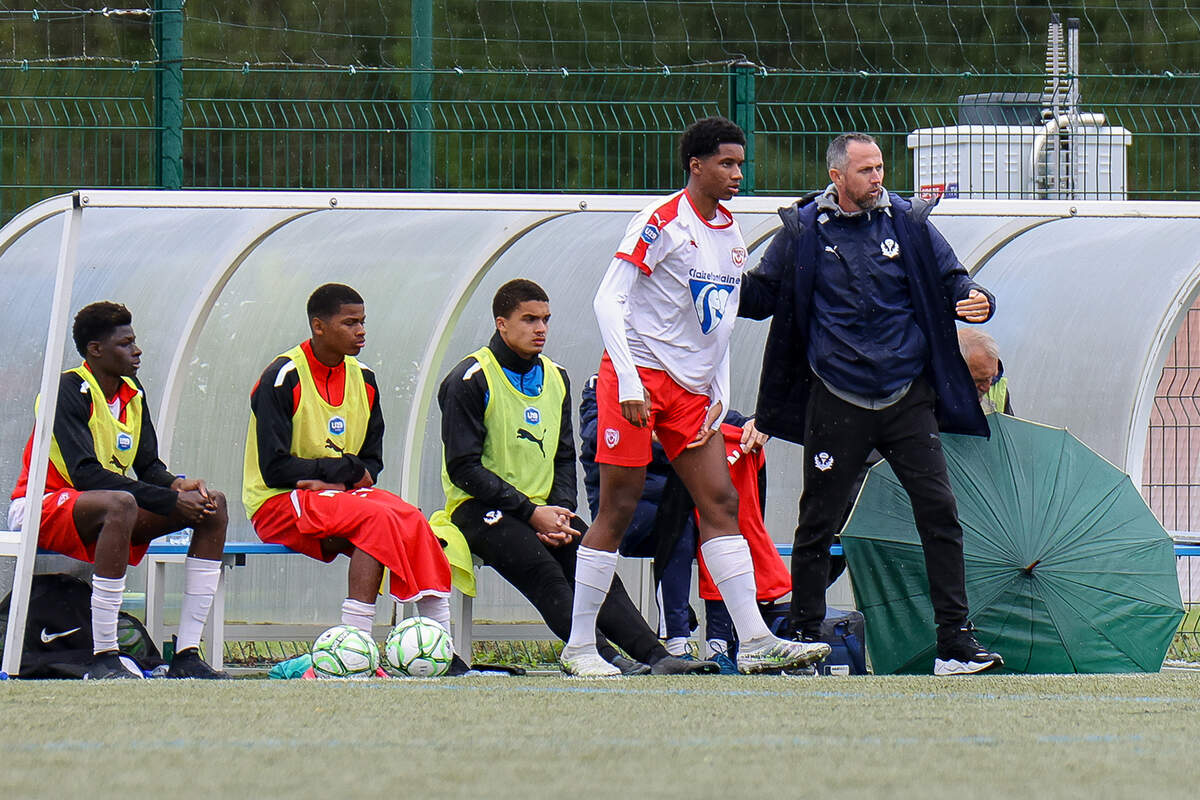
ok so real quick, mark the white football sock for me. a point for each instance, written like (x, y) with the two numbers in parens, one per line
(729, 563)
(677, 645)
(436, 608)
(106, 602)
(199, 587)
(593, 576)
(360, 615)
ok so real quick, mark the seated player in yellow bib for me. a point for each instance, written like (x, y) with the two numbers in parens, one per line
(509, 477)
(93, 510)
(314, 451)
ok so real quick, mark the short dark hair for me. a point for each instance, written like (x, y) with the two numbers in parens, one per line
(835, 154)
(328, 299)
(97, 321)
(515, 292)
(704, 137)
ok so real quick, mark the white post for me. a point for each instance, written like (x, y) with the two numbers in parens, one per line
(43, 429)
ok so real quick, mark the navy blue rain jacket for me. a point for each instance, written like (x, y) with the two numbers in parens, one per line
(781, 287)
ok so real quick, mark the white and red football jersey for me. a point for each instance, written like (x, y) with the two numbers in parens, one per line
(681, 309)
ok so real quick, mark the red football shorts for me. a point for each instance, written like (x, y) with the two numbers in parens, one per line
(374, 521)
(675, 418)
(57, 531)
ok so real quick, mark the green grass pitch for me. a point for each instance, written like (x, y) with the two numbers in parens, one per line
(694, 737)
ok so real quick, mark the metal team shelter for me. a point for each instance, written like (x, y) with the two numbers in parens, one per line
(1090, 296)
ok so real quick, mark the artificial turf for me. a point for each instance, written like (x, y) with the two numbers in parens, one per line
(696, 737)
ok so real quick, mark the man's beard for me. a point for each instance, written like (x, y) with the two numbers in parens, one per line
(867, 201)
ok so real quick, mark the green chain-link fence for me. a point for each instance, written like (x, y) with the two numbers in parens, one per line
(543, 95)
(63, 127)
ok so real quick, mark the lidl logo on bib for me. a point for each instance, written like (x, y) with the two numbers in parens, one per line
(533, 416)
(124, 441)
(337, 426)
(709, 300)
(649, 234)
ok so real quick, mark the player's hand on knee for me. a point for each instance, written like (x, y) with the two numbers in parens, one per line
(553, 522)
(193, 506)
(366, 481)
(553, 538)
(182, 484)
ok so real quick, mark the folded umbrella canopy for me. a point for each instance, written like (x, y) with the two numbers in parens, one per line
(1067, 569)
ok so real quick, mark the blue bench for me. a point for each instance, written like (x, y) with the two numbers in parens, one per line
(162, 553)
(785, 550)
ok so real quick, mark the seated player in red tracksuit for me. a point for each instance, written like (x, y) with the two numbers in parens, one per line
(314, 450)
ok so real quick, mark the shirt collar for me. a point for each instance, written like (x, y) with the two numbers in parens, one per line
(509, 359)
(827, 202)
(323, 371)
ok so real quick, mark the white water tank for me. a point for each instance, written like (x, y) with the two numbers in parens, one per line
(1082, 162)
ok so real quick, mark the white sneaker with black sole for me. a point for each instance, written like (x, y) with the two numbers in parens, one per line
(963, 655)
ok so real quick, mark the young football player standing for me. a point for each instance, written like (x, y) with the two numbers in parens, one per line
(313, 453)
(93, 511)
(509, 476)
(666, 309)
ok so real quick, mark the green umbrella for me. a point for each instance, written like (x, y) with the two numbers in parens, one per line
(1067, 569)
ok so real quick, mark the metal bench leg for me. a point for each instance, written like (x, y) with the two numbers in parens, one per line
(155, 591)
(463, 641)
(461, 607)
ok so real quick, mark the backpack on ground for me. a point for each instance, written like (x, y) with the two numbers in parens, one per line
(843, 629)
(58, 630)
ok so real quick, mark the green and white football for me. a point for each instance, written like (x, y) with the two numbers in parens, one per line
(419, 647)
(344, 651)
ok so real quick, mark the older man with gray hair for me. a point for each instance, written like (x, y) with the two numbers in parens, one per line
(982, 355)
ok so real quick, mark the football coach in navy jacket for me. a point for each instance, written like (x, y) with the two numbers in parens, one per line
(862, 353)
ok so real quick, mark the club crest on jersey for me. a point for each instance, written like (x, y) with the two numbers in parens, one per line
(709, 300)
(124, 441)
(533, 416)
(823, 461)
(611, 437)
(337, 426)
(649, 234)
(739, 256)
(889, 248)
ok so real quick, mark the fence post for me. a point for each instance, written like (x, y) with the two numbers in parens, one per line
(420, 133)
(742, 111)
(168, 93)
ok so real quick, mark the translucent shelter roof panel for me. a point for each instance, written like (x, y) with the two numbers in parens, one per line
(411, 267)
(568, 257)
(124, 254)
(974, 237)
(27, 268)
(1087, 309)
